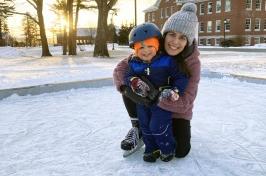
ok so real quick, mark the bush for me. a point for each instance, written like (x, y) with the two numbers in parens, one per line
(236, 41)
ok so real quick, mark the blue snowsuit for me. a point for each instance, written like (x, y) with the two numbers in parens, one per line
(155, 122)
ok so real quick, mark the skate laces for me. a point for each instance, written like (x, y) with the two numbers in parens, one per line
(132, 136)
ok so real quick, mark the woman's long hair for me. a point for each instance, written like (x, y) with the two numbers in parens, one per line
(181, 57)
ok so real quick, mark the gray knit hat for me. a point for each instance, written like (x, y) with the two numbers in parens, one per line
(184, 21)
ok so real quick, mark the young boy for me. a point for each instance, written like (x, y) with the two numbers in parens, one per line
(155, 123)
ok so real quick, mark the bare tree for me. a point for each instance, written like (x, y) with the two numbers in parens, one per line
(60, 9)
(104, 6)
(38, 6)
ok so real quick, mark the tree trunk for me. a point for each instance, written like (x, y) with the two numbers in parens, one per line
(100, 48)
(65, 33)
(65, 41)
(1, 37)
(71, 47)
(76, 25)
(45, 48)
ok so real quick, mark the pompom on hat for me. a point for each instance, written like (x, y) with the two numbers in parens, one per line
(184, 21)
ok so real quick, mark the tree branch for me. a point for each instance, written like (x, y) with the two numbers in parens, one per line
(111, 4)
(26, 14)
(32, 4)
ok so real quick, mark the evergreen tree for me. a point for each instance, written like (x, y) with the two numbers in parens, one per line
(5, 11)
(123, 34)
(31, 31)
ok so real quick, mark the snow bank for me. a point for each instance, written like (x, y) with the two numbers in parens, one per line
(10, 52)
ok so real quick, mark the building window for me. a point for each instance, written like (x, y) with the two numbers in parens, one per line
(264, 40)
(258, 4)
(201, 9)
(209, 42)
(218, 25)
(209, 7)
(166, 12)
(227, 25)
(201, 27)
(209, 26)
(248, 4)
(256, 40)
(217, 42)
(264, 28)
(248, 24)
(153, 16)
(161, 12)
(218, 6)
(202, 42)
(257, 24)
(149, 17)
(227, 5)
(172, 10)
(247, 41)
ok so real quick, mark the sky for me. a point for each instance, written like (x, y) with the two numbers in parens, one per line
(125, 15)
(78, 132)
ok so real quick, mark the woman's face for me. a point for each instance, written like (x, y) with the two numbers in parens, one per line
(174, 43)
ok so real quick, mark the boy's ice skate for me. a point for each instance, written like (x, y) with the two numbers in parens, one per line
(132, 142)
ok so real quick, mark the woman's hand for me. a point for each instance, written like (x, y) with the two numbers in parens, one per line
(169, 94)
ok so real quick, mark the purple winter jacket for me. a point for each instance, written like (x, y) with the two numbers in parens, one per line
(182, 108)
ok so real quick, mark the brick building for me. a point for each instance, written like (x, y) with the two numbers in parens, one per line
(219, 19)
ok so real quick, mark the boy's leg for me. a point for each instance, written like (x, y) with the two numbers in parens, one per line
(182, 135)
(161, 127)
(144, 115)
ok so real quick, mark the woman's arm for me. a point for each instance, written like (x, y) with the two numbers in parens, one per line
(120, 72)
(187, 99)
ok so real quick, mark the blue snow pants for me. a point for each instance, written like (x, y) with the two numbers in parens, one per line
(156, 128)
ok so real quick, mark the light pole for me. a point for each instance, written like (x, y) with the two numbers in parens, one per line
(112, 22)
(225, 23)
(135, 12)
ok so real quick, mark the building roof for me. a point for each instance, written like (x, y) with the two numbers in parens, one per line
(83, 32)
(156, 5)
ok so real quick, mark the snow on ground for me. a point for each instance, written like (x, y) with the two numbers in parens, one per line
(78, 133)
(29, 69)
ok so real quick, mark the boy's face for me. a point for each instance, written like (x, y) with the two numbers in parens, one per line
(174, 43)
(146, 52)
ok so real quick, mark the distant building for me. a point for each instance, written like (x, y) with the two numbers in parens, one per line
(84, 36)
(218, 19)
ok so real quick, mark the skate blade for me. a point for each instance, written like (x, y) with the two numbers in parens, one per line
(130, 152)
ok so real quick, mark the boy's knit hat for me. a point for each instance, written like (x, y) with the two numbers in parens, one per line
(148, 42)
(184, 21)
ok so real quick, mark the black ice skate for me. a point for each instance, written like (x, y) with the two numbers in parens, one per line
(132, 142)
(151, 157)
(167, 157)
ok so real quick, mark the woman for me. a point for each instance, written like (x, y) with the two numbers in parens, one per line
(179, 33)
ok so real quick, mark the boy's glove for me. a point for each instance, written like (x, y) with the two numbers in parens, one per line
(169, 94)
(139, 87)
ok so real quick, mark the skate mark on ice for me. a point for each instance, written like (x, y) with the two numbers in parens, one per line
(194, 159)
(254, 159)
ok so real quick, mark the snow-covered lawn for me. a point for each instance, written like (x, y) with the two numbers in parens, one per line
(78, 133)
(22, 67)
